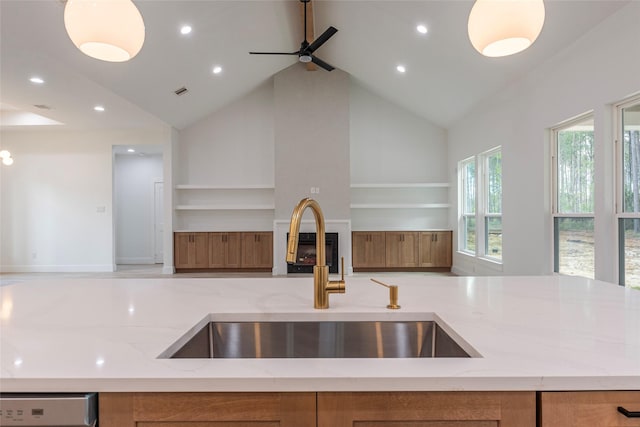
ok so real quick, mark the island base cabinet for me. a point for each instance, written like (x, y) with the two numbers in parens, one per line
(427, 409)
(207, 409)
(588, 408)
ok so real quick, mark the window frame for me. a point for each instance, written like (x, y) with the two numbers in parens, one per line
(620, 214)
(480, 214)
(556, 215)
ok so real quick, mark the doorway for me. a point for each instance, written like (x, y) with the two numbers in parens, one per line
(138, 204)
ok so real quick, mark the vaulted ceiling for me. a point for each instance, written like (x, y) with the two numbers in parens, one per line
(444, 77)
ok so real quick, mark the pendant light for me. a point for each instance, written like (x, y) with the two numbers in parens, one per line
(504, 27)
(109, 30)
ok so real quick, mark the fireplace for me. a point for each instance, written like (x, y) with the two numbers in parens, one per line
(306, 257)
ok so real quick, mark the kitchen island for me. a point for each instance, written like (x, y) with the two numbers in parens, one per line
(530, 334)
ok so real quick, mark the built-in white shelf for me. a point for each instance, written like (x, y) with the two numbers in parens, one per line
(400, 205)
(223, 207)
(223, 187)
(404, 185)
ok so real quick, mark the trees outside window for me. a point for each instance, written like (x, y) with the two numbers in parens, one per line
(573, 201)
(628, 139)
(480, 206)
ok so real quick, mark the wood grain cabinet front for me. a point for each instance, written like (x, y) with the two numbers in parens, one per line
(224, 250)
(207, 409)
(590, 408)
(368, 249)
(257, 250)
(435, 249)
(191, 250)
(427, 409)
(401, 249)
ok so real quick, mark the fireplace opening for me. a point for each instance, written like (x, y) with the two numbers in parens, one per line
(306, 256)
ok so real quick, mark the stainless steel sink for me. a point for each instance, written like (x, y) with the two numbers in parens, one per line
(317, 339)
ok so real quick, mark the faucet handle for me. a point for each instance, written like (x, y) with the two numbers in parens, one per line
(393, 294)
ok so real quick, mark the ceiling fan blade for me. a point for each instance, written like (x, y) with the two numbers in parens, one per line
(329, 32)
(320, 63)
(275, 53)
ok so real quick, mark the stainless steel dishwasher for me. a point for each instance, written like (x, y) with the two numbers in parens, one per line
(49, 409)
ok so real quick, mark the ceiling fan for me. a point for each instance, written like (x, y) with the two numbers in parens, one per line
(305, 53)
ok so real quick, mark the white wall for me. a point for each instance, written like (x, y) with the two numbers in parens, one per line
(391, 145)
(134, 180)
(56, 199)
(311, 112)
(599, 69)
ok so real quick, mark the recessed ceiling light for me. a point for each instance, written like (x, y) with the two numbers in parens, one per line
(217, 69)
(98, 108)
(131, 150)
(401, 68)
(36, 80)
(422, 29)
(185, 29)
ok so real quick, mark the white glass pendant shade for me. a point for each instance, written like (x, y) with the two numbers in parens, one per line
(109, 30)
(504, 27)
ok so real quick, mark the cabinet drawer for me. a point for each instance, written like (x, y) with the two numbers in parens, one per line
(588, 408)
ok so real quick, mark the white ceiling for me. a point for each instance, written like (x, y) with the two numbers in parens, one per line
(445, 76)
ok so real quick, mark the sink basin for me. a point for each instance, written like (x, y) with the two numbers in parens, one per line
(316, 339)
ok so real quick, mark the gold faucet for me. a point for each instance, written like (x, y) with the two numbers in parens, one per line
(322, 286)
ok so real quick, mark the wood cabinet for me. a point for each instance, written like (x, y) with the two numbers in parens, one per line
(368, 249)
(191, 250)
(224, 250)
(401, 249)
(324, 409)
(422, 409)
(435, 249)
(588, 408)
(257, 250)
(207, 409)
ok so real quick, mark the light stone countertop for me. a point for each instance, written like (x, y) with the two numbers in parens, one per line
(533, 333)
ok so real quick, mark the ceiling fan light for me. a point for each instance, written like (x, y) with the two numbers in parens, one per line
(109, 30)
(304, 58)
(505, 27)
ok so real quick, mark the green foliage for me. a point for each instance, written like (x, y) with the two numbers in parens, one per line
(575, 171)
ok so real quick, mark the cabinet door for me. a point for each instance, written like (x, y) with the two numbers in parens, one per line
(588, 408)
(207, 409)
(437, 409)
(191, 250)
(368, 249)
(401, 249)
(181, 243)
(435, 249)
(257, 250)
(224, 250)
(199, 250)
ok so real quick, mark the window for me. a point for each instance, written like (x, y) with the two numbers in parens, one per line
(628, 139)
(481, 205)
(468, 206)
(493, 204)
(573, 201)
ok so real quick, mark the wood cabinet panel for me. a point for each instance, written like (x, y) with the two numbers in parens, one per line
(427, 409)
(368, 249)
(588, 408)
(435, 248)
(191, 250)
(224, 250)
(257, 250)
(401, 249)
(207, 409)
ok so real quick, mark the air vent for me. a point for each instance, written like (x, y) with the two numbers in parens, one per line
(181, 91)
(42, 106)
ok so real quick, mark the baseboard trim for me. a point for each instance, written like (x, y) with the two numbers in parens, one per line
(100, 268)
